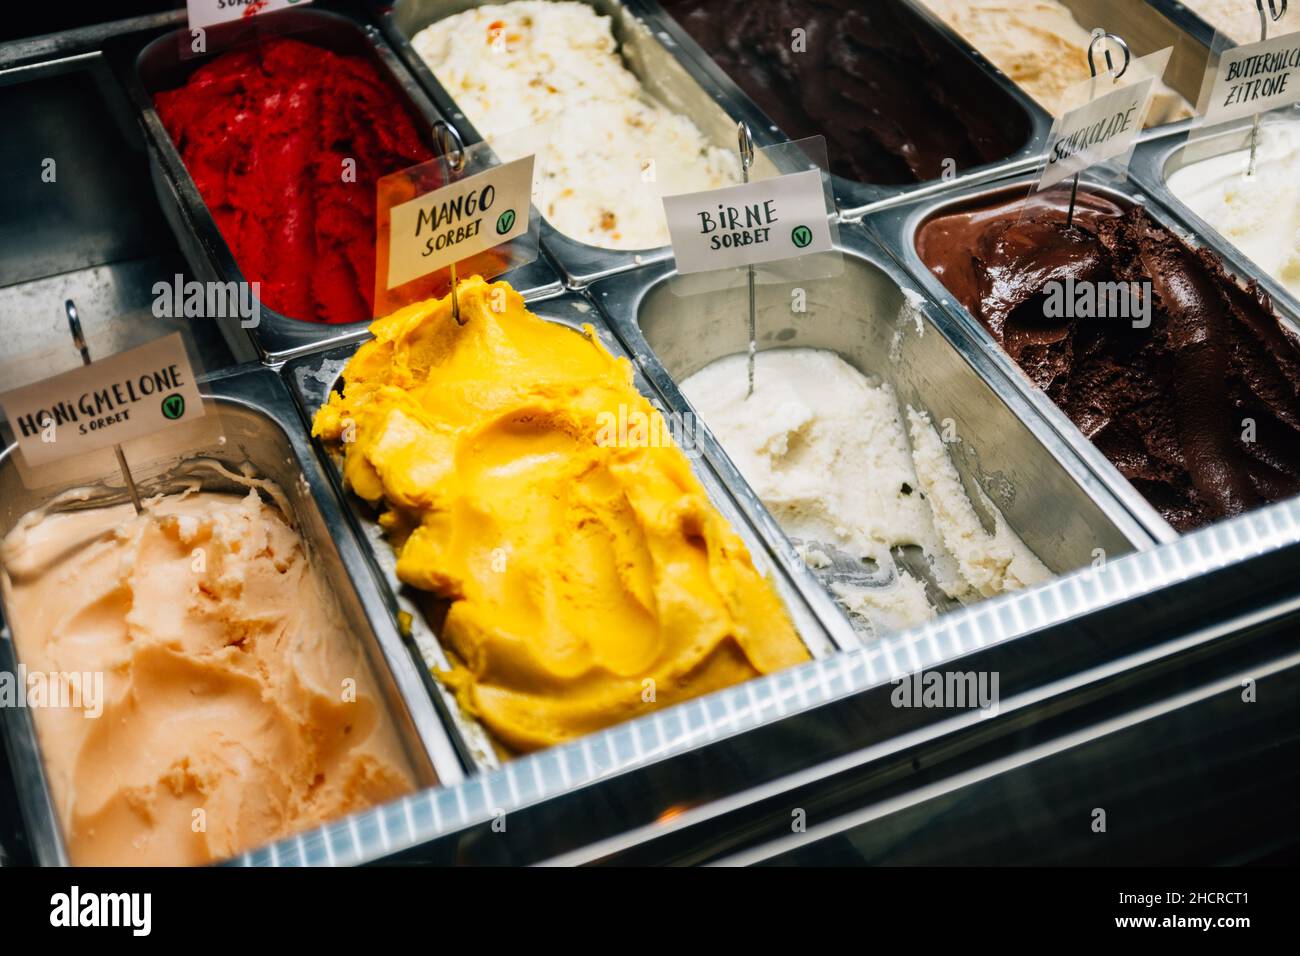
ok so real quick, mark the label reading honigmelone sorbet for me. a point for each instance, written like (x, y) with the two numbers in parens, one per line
(108, 402)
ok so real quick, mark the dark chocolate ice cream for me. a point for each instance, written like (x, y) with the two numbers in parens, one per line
(1200, 409)
(893, 98)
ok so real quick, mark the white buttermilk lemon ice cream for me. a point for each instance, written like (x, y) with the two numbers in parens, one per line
(831, 456)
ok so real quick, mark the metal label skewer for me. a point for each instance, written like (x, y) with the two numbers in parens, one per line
(79, 339)
(746, 161)
(453, 162)
(1276, 14)
(1099, 36)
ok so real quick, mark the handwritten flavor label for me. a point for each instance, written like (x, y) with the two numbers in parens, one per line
(108, 402)
(447, 225)
(1254, 79)
(779, 218)
(1101, 129)
(205, 13)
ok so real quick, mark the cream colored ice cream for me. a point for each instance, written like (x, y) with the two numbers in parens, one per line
(1239, 19)
(830, 455)
(1042, 47)
(1259, 214)
(613, 151)
(236, 707)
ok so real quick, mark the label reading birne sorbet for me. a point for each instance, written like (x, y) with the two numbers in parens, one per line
(764, 221)
(1254, 79)
(448, 225)
(205, 13)
(105, 403)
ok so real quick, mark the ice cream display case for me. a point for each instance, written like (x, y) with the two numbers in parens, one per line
(610, 587)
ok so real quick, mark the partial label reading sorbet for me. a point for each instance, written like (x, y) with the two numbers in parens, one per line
(105, 403)
(763, 221)
(432, 231)
(205, 13)
(1255, 78)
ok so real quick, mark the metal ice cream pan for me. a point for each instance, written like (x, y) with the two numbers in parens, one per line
(877, 320)
(645, 51)
(312, 378)
(160, 66)
(1148, 27)
(853, 198)
(1157, 159)
(897, 230)
(259, 427)
(1192, 23)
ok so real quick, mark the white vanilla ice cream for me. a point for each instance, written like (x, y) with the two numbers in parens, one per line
(1239, 19)
(841, 468)
(1043, 47)
(613, 152)
(1259, 214)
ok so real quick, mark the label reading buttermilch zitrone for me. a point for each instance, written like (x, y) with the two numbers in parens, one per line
(448, 225)
(1254, 79)
(764, 221)
(108, 402)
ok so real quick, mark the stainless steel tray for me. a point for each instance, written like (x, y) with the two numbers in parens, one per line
(873, 316)
(897, 230)
(669, 79)
(259, 425)
(852, 198)
(1156, 159)
(312, 379)
(159, 65)
(1190, 22)
(1147, 27)
(94, 234)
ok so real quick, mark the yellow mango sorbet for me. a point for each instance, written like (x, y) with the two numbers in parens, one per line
(589, 582)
